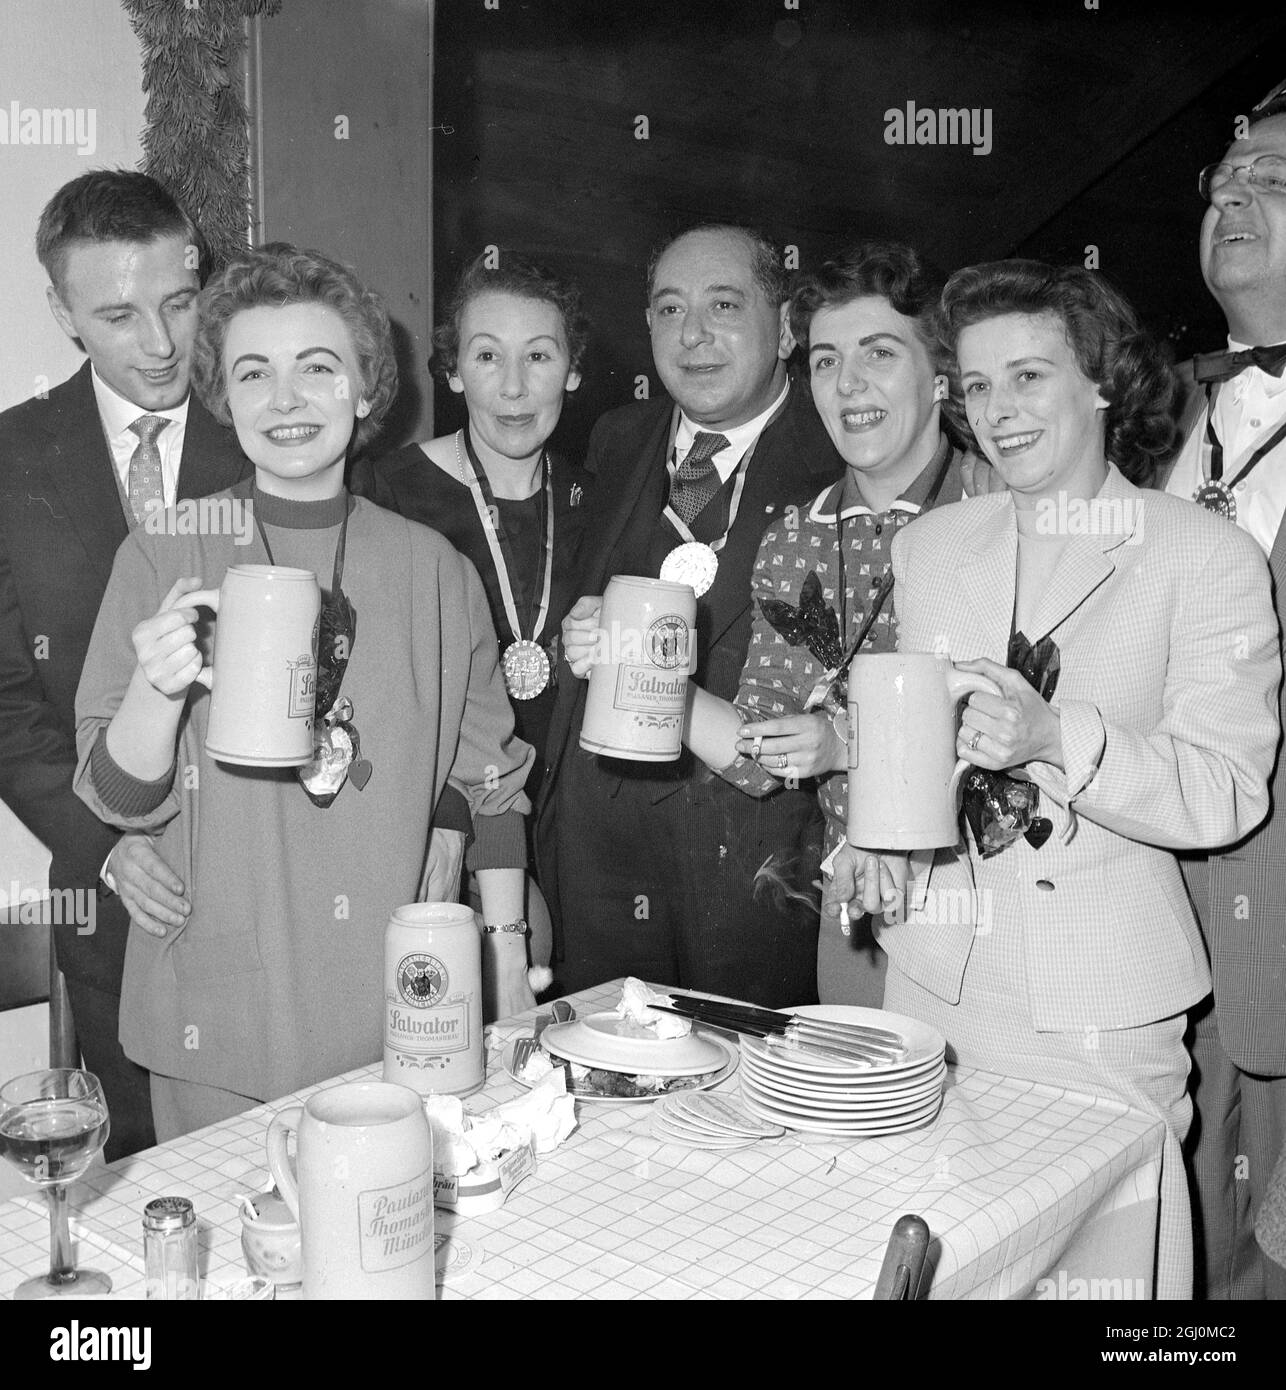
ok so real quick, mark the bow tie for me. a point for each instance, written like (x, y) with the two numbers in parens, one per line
(1222, 366)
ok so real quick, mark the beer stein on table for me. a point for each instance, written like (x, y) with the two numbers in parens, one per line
(363, 1193)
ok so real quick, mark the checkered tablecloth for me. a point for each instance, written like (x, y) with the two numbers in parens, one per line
(1027, 1190)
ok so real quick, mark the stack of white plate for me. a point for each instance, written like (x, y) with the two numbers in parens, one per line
(821, 1096)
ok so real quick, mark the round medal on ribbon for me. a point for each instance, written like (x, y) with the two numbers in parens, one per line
(694, 563)
(1217, 498)
(525, 666)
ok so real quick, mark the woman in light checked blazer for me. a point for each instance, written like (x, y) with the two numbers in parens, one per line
(1133, 639)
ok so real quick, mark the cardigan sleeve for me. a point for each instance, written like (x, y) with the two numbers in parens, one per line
(491, 763)
(133, 593)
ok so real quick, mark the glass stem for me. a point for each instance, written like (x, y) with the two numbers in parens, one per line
(61, 1269)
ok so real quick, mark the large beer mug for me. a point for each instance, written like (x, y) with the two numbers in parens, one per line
(638, 684)
(364, 1191)
(263, 684)
(903, 775)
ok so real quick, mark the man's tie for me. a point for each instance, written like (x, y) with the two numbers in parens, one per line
(145, 483)
(696, 480)
(1223, 366)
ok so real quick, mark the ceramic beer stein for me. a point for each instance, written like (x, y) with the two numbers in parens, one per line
(903, 775)
(364, 1192)
(263, 684)
(638, 684)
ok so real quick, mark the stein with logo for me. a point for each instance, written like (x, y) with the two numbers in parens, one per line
(263, 684)
(638, 684)
(433, 1000)
(361, 1188)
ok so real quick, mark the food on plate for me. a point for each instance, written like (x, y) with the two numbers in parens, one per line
(636, 998)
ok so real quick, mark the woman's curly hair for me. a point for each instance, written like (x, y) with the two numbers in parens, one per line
(1111, 348)
(516, 275)
(278, 274)
(886, 269)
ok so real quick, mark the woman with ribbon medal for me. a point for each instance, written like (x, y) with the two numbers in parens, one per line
(511, 344)
(1133, 640)
(276, 979)
(822, 578)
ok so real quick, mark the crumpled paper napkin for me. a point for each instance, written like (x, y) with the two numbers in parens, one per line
(544, 1116)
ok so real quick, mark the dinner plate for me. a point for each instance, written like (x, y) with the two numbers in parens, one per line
(873, 1102)
(847, 1083)
(612, 1043)
(852, 1129)
(922, 1042)
(819, 1110)
(728, 1059)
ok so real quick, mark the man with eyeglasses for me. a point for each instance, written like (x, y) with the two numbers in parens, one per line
(1233, 461)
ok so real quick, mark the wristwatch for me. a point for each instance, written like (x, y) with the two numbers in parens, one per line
(518, 928)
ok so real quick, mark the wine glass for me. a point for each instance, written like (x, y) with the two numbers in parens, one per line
(52, 1123)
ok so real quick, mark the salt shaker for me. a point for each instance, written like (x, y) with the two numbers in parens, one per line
(170, 1249)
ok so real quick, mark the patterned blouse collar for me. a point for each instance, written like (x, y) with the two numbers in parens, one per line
(911, 500)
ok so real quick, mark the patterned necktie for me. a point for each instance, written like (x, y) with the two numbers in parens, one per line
(1223, 366)
(145, 483)
(696, 480)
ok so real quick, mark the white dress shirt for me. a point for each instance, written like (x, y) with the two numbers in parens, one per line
(1248, 409)
(118, 414)
(739, 439)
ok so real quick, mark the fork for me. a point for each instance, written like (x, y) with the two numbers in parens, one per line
(562, 1013)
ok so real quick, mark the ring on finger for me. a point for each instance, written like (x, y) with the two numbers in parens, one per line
(973, 742)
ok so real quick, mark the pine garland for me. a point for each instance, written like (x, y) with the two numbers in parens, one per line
(195, 139)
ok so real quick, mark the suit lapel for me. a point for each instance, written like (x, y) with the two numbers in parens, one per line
(628, 484)
(988, 568)
(80, 468)
(211, 459)
(1087, 560)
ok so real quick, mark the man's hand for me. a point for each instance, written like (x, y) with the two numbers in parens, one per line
(149, 888)
(800, 745)
(979, 477)
(580, 634)
(864, 880)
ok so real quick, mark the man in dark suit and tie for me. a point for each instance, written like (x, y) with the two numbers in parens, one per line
(79, 467)
(1234, 460)
(663, 870)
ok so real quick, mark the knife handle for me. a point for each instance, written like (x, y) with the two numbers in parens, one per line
(903, 1267)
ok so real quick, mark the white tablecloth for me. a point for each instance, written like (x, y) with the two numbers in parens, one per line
(1028, 1191)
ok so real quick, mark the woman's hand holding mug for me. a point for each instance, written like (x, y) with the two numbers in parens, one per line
(165, 643)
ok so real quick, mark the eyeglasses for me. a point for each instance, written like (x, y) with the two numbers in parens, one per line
(1267, 173)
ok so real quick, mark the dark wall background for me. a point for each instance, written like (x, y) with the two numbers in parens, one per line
(757, 112)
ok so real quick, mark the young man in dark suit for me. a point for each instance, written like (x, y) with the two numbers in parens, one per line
(658, 870)
(78, 468)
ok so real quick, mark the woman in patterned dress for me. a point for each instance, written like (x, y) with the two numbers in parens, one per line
(865, 320)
